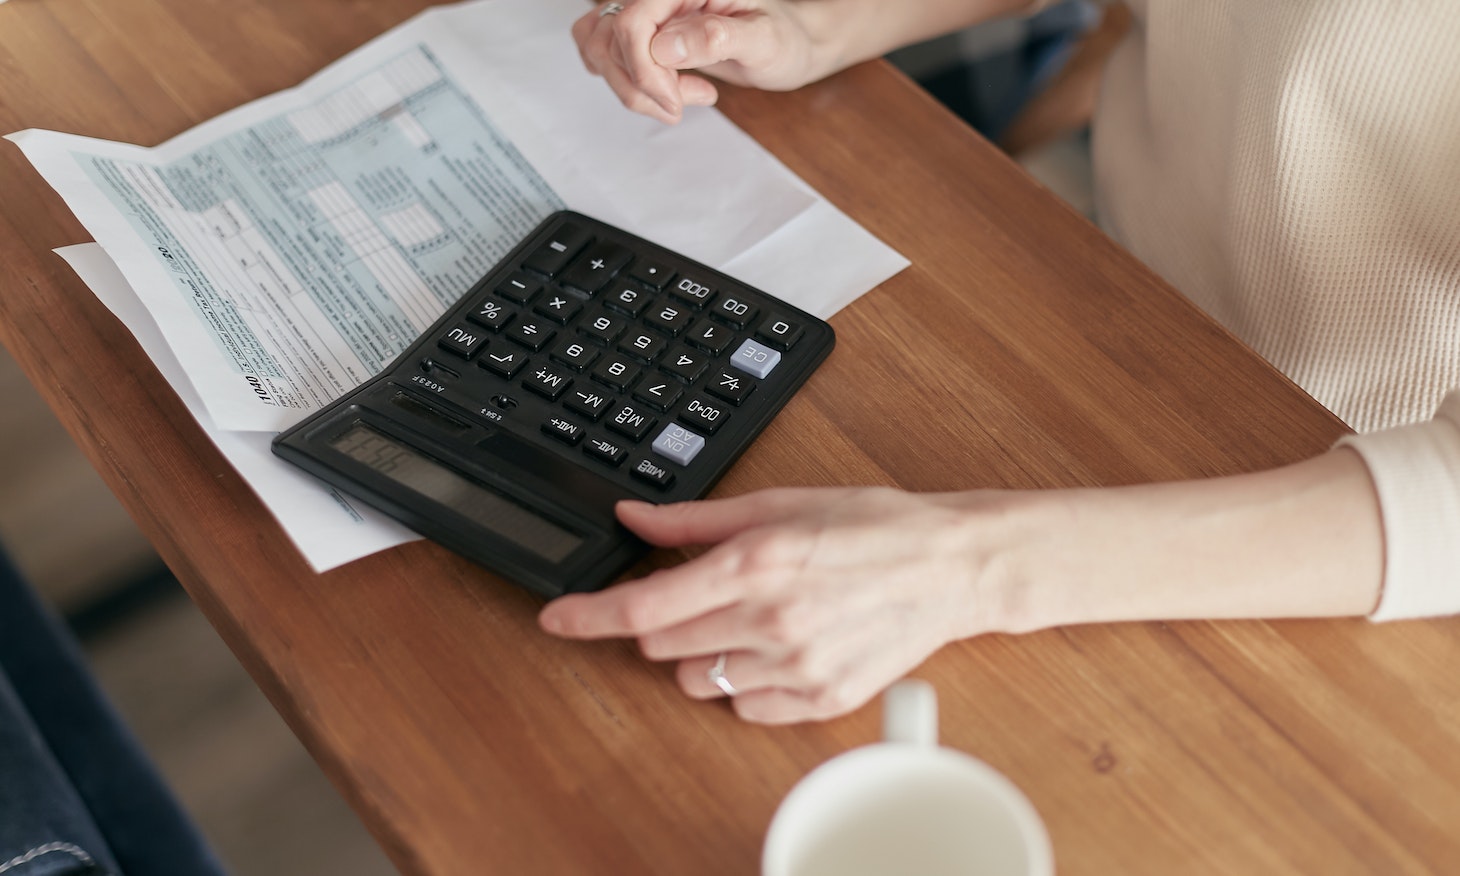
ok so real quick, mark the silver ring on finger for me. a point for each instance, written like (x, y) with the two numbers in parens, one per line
(611, 8)
(716, 675)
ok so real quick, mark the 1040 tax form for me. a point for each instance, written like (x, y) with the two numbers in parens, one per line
(287, 250)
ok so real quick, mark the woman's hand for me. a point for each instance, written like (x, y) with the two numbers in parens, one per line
(641, 50)
(820, 597)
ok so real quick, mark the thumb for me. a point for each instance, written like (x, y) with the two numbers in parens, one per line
(702, 40)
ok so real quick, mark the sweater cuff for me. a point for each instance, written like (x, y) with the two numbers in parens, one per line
(1416, 474)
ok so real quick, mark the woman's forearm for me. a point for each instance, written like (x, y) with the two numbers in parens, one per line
(846, 32)
(1301, 541)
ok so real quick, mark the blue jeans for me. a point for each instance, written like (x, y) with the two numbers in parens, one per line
(989, 87)
(77, 793)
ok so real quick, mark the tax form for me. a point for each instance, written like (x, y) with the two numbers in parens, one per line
(290, 248)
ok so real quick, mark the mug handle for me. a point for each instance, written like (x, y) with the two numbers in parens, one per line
(910, 714)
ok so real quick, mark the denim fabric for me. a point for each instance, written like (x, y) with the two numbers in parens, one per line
(44, 825)
(77, 793)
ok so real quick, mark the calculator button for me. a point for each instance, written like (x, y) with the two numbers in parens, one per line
(779, 332)
(730, 386)
(570, 433)
(678, 443)
(652, 273)
(631, 422)
(505, 362)
(588, 402)
(519, 287)
(574, 354)
(547, 381)
(627, 299)
(642, 346)
(596, 267)
(605, 451)
(710, 336)
(491, 314)
(463, 340)
(755, 358)
(603, 328)
(617, 372)
(552, 256)
(670, 317)
(559, 307)
(533, 334)
(734, 311)
(685, 364)
(705, 415)
(693, 291)
(652, 473)
(660, 393)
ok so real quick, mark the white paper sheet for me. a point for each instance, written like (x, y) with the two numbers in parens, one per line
(276, 256)
(329, 528)
(292, 247)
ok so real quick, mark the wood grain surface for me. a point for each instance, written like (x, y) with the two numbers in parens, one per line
(1021, 349)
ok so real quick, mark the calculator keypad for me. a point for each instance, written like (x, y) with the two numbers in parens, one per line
(586, 367)
(638, 363)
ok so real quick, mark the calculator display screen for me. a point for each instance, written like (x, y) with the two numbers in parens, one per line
(414, 471)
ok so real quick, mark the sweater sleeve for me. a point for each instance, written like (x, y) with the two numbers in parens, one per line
(1416, 473)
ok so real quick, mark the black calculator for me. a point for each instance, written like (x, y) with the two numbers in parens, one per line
(588, 366)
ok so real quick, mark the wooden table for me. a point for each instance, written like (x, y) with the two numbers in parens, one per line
(1035, 353)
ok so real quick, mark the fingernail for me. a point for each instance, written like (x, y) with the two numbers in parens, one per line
(674, 52)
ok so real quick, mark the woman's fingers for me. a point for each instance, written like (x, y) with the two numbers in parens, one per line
(769, 692)
(640, 50)
(818, 597)
(709, 521)
(636, 608)
(616, 47)
(699, 41)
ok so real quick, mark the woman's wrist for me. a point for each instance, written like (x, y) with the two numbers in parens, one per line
(1300, 541)
(841, 33)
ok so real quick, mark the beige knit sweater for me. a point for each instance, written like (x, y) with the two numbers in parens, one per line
(1293, 166)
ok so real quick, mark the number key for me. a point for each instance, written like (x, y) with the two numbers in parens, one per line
(574, 354)
(734, 311)
(710, 336)
(685, 364)
(704, 415)
(642, 346)
(617, 372)
(602, 328)
(670, 317)
(693, 291)
(627, 299)
(780, 332)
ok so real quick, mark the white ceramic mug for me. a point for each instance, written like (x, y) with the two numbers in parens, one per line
(906, 806)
